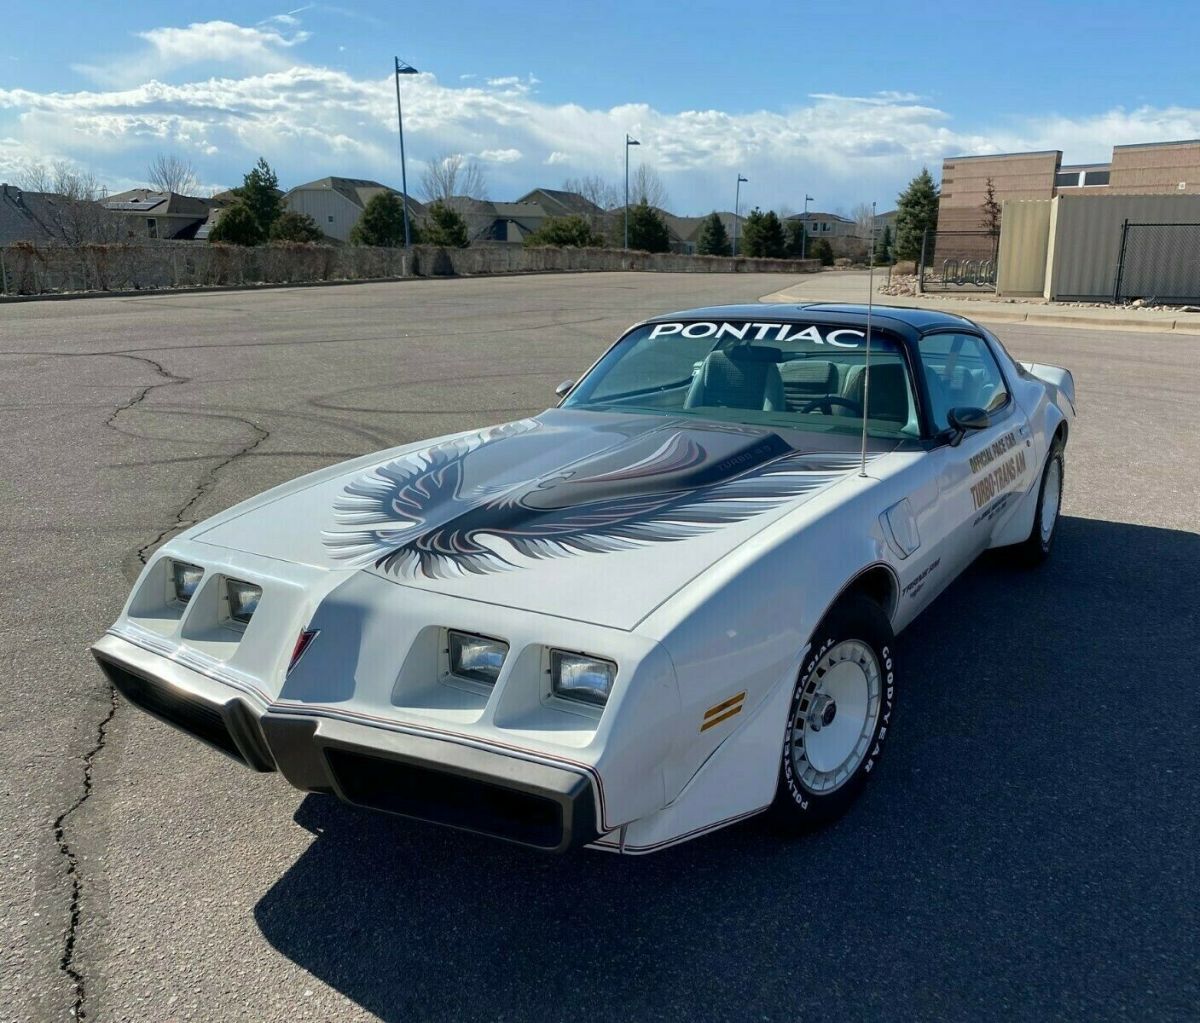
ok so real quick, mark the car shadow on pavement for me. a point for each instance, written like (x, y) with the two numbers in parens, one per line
(1026, 851)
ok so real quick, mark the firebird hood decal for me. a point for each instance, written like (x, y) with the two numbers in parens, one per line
(464, 508)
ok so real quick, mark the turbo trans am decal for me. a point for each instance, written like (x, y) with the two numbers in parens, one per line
(422, 514)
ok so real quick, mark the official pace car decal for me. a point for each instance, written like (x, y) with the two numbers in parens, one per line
(426, 514)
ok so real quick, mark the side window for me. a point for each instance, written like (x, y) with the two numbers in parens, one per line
(960, 370)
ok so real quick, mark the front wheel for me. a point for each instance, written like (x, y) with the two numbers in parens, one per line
(1036, 549)
(839, 715)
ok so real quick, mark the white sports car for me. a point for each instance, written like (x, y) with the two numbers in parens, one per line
(663, 606)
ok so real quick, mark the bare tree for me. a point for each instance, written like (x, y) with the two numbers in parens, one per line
(35, 177)
(990, 210)
(595, 190)
(450, 175)
(646, 186)
(864, 220)
(78, 215)
(170, 173)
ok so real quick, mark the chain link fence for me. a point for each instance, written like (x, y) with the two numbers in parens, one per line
(958, 261)
(1158, 263)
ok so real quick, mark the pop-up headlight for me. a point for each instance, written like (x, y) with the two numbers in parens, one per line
(243, 599)
(185, 578)
(476, 657)
(582, 678)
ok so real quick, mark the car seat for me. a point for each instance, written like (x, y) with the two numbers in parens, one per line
(742, 377)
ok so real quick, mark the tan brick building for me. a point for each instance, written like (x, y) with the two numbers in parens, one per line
(1156, 168)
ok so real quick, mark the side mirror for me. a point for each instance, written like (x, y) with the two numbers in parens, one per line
(562, 389)
(964, 418)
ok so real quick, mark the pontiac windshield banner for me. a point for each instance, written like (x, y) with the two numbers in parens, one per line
(839, 337)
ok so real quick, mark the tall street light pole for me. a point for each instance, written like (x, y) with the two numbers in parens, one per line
(737, 201)
(403, 69)
(629, 141)
(804, 234)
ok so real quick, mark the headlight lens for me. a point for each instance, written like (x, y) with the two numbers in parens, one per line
(582, 678)
(476, 657)
(185, 578)
(243, 599)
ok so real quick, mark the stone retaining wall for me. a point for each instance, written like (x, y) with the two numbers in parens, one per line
(38, 269)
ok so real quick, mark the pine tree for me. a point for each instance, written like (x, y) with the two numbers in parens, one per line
(714, 241)
(883, 246)
(751, 241)
(796, 245)
(381, 222)
(773, 242)
(647, 230)
(990, 210)
(566, 232)
(260, 193)
(236, 226)
(445, 226)
(295, 227)
(916, 212)
(819, 248)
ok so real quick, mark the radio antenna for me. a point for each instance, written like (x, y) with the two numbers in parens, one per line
(867, 367)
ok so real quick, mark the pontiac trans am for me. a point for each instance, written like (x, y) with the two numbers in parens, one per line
(664, 605)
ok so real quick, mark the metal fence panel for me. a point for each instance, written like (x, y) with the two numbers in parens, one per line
(960, 261)
(1159, 262)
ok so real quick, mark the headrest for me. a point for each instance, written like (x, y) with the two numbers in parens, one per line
(754, 353)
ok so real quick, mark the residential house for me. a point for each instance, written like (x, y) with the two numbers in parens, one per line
(147, 213)
(499, 222)
(559, 203)
(30, 216)
(337, 203)
(825, 225)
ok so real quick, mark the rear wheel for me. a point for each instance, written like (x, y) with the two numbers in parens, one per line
(1036, 548)
(838, 717)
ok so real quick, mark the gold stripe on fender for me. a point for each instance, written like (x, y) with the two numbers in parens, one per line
(722, 711)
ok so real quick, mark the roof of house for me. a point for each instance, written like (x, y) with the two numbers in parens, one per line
(162, 204)
(815, 215)
(30, 216)
(230, 195)
(359, 191)
(560, 203)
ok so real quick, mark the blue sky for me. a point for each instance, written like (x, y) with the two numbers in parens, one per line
(843, 101)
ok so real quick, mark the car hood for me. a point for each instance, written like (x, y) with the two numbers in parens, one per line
(598, 517)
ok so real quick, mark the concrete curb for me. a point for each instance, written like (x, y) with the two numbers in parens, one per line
(1036, 316)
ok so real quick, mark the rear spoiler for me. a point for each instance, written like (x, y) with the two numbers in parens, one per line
(1056, 377)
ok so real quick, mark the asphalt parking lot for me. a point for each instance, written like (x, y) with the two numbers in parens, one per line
(1029, 850)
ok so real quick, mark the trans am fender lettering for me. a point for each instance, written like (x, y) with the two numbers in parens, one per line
(1006, 473)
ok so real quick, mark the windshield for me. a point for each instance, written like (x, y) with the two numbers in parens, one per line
(801, 375)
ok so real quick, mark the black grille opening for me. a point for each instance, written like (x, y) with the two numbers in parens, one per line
(176, 708)
(441, 798)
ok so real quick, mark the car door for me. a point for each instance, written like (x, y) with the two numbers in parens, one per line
(980, 472)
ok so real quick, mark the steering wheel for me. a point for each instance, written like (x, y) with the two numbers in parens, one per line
(827, 403)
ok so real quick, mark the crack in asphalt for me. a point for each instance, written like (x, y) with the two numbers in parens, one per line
(67, 961)
(179, 521)
(204, 487)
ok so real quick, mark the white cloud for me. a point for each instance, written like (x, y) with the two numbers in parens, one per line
(167, 50)
(311, 120)
(501, 155)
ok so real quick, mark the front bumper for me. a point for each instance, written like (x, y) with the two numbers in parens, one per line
(489, 792)
(431, 779)
(210, 711)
